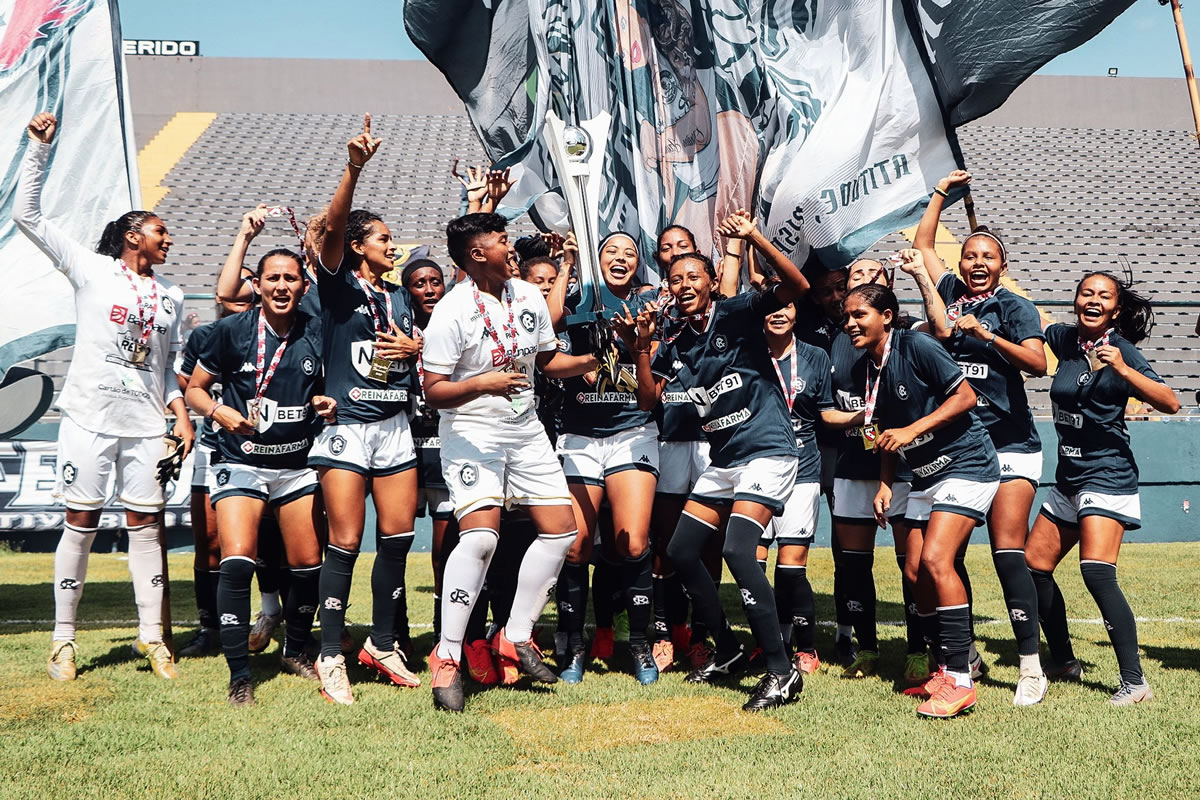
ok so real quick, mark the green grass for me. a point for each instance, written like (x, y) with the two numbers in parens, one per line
(120, 732)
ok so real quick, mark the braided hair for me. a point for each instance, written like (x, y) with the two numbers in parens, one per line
(112, 240)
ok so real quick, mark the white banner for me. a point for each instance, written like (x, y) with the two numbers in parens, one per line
(61, 56)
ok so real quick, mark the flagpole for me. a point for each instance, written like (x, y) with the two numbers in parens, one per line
(1188, 74)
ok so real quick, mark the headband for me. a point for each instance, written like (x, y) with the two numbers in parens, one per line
(1000, 244)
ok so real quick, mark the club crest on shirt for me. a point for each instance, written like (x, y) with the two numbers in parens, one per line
(308, 365)
(720, 342)
(468, 475)
(168, 305)
(1085, 378)
(528, 320)
(902, 391)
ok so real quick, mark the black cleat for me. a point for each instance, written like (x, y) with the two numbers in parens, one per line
(447, 683)
(526, 656)
(719, 665)
(241, 693)
(774, 691)
(844, 646)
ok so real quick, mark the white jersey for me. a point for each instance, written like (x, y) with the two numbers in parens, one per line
(105, 391)
(458, 345)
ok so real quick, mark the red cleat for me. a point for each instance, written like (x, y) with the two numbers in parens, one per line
(602, 644)
(480, 666)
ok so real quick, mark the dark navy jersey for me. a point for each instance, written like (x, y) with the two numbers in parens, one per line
(917, 379)
(726, 370)
(589, 409)
(349, 342)
(1089, 416)
(549, 393)
(678, 420)
(287, 421)
(428, 444)
(812, 394)
(1001, 405)
(310, 303)
(813, 327)
(207, 430)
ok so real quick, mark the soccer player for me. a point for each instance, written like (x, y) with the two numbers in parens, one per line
(119, 385)
(718, 349)
(484, 339)
(267, 416)
(1095, 495)
(367, 343)
(916, 402)
(997, 336)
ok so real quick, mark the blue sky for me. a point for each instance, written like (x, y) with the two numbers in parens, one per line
(1141, 43)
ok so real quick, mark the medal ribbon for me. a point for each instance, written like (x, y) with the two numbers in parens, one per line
(261, 379)
(1100, 341)
(510, 327)
(789, 389)
(682, 322)
(147, 312)
(286, 211)
(872, 394)
(955, 309)
(380, 327)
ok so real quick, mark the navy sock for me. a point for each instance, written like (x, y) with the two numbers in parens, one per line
(639, 593)
(932, 632)
(572, 595)
(233, 606)
(299, 607)
(268, 567)
(758, 600)
(912, 621)
(477, 622)
(685, 551)
(605, 586)
(1101, 580)
(954, 628)
(1052, 613)
(206, 595)
(960, 566)
(1020, 595)
(841, 613)
(387, 586)
(795, 605)
(662, 629)
(334, 592)
(859, 593)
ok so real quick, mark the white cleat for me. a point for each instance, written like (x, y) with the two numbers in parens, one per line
(335, 685)
(61, 665)
(1031, 689)
(1132, 693)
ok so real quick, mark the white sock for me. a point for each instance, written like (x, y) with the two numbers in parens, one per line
(961, 679)
(270, 604)
(539, 571)
(462, 578)
(1031, 665)
(145, 567)
(70, 570)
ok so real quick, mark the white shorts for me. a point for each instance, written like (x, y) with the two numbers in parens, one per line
(93, 467)
(368, 448)
(591, 459)
(766, 480)
(276, 486)
(200, 458)
(1068, 509)
(797, 525)
(506, 462)
(680, 465)
(854, 501)
(436, 500)
(957, 495)
(1021, 465)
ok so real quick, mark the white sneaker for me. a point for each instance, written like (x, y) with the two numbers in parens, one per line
(335, 685)
(61, 665)
(1031, 689)
(1132, 693)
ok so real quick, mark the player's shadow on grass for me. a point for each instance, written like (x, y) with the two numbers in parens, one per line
(1173, 657)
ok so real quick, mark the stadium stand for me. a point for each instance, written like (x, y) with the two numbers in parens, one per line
(1068, 189)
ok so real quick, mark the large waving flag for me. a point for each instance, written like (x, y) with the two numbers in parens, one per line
(830, 120)
(62, 56)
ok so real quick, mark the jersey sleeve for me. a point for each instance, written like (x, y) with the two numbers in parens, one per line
(211, 354)
(175, 344)
(823, 368)
(950, 287)
(547, 339)
(1058, 336)
(1021, 319)
(663, 363)
(761, 304)
(67, 255)
(1134, 358)
(443, 341)
(934, 365)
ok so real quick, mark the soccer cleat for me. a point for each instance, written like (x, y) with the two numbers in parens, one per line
(207, 641)
(644, 667)
(61, 665)
(929, 687)
(948, 701)
(299, 665)
(1070, 671)
(241, 693)
(262, 631)
(844, 649)
(480, 665)
(807, 661)
(390, 665)
(863, 666)
(138, 648)
(160, 658)
(602, 644)
(1031, 689)
(526, 655)
(774, 691)
(916, 668)
(756, 664)
(719, 665)
(573, 671)
(664, 655)
(335, 685)
(681, 637)
(1131, 693)
(698, 654)
(447, 682)
(978, 668)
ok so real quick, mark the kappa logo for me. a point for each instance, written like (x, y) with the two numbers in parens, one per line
(748, 599)
(118, 314)
(468, 475)
(460, 597)
(308, 365)
(1108, 625)
(902, 391)
(640, 600)
(1006, 468)
(676, 365)
(246, 367)
(69, 473)
(912, 608)
(222, 477)
(337, 445)
(1018, 615)
(1087, 501)
(397, 592)
(721, 342)
(854, 606)
(70, 583)
(333, 604)
(951, 498)
(528, 320)
(645, 459)
(229, 619)
(157, 580)
(756, 487)
(1085, 378)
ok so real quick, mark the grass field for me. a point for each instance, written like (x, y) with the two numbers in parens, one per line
(119, 732)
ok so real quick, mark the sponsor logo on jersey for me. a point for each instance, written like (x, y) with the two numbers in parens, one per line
(977, 371)
(606, 397)
(468, 475)
(69, 473)
(250, 448)
(676, 397)
(528, 320)
(720, 342)
(924, 438)
(361, 354)
(1067, 418)
(428, 443)
(1070, 452)
(901, 391)
(308, 365)
(118, 314)
(704, 398)
(849, 402)
(270, 413)
(727, 421)
(925, 470)
(358, 394)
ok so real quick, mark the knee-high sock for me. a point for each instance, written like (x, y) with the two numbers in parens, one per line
(685, 551)
(206, 595)
(70, 572)
(572, 594)
(1020, 595)
(795, 620)
(758, 600)
(932, 632)
(662, 628)
(859, 593)
(477, 622)
(1052, 612)
(535, 583)
(912, 621)
(233, 606)
(516, 535)
(268, 568)
(639, 593)
(677, 603)
(387, 586)
(606, 585)
(1100, 577)
(960, 566)
(145, 567)
(954, 628)
(841, 613)
(466, 569)
(299, 607)
(334, 592)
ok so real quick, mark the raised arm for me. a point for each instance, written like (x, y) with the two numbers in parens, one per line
(359, 152)
(730, 272)
(913, 263)
(925, 239)
(230, 286)
(556, 301)
(793, 284)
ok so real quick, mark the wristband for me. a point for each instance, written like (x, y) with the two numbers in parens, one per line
(352, 164)
(938, 190)
(213, 410)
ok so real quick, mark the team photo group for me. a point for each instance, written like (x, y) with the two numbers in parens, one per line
(618, 466)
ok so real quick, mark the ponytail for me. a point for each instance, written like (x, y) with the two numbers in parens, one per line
(112, 241)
